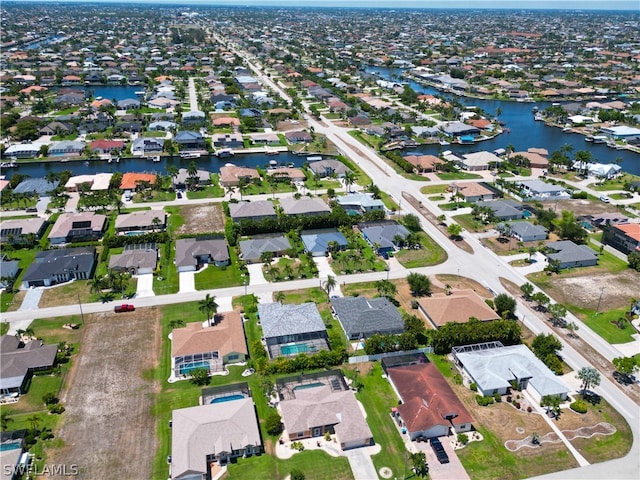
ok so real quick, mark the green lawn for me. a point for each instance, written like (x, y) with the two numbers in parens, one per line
(602, 323)
(357, 260)
(433, 189)
(430, 254)
(155, 196)
(289, 268)
(220, 277)
(25, 257)
(615, 184)
(469, 223)
(208, 191)
(457, 176)
(4, 328)
(167, 279)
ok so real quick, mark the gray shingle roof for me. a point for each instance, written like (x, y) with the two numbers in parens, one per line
(15, 362)
(360, 315)
(569, 252)
(189, 248)
(278, 320)
(39, 185)
(526, 229)
(292, 206)
(254, 248)
(51, 262)
(260, 208)
(383, 233)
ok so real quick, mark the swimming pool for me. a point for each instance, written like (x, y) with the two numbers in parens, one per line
(133, 234)
(228, 398)
(294, 349)
(186, 370)
(308, 385)
(4, 447)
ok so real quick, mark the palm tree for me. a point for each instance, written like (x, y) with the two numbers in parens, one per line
(590, 378)
(349, 179)
(208, 306)
(156, 223)
(279, 296)
(330, 285)
(96, 284)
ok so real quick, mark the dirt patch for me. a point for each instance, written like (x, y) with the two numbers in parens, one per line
(201, 219)
(579, 206)
(109, 425)
(584, 287)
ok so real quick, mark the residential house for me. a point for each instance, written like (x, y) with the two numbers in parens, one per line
(602, 220)
(133, 181)
(103, 146)
(383, 235)
(324, 406)
(359, 203)
(97, 182)
(298, 137)
(429, 407)
(61, 265)
(212, 433)
(458, 307)
(266, 138)
(189, 140)
(211, 347)
(136, 259)
(528, 232)
(37, 186)
(18, 360)
(193, 253)
(319, 242)
(66, 147)
(194, 117)
(77, 227)
(625, 237)
(327, 168)
(22, 231)
(459, 129)
(251, 250)
(362, 317)
(504, 209)
(534, 159)
(231, 175)
(227, 140)
(141, 221)
(256, 210)
(180, 181)
(142, 145)
(478, 161)
(424, 163)
(292, 329)
(56, 128)
(8, 271)
(23, 150)
(473, 191)
(162, 125)
(494, 368)
(568, 254)
(309, 206)
(539, 190)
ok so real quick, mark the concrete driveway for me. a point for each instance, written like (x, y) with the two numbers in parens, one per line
(145, 285)
(324, 270)
(361, 464)
(256, 276)
(187, 282)
(31, 299)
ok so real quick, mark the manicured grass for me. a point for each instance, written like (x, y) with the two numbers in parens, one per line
(4, 328)
(378, 398)
(166, 271)
(453, 206)
(315, 464)
(469, 223)
(208, 191)
(430, 254)
(433, 189)
(361, 259)
(615, 184)
(457, 176)
(288, 269)
(220, 277)
(264, 187)
(601, 324)
(155, 196)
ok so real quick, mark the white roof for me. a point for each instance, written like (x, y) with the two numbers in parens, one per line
(99, 181)
(477, 159)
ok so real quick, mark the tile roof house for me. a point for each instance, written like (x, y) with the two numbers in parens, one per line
(106, 146)
(210, 347)
(292, 329)
(528, 232)
(310, 206)
(75, 227)
(458, 307)
(193, 253)
(212, 433)
(430, 407)
(314, 411)
(252, 250)
(568, 254)
(424, 163)
(131, 180)
(231, 175)
(18, 360)
(293, 174)
(60, 265)
(136, 259)
(478, 161)
(142, 221)
(359, 203)
(20, 230)
(326, 168)
(473, 191)
(625, 237)
(255, 210)
(381, 235)
(362, 317)
(319, 242)
(493, 369)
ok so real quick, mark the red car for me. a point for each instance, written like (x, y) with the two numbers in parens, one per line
(124, 308)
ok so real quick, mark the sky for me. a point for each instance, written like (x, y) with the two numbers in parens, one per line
(630, 5)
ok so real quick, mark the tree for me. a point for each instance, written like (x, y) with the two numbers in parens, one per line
(420, 284)
(200, 376)
(505, 305)
(454, 230)
(412, 222)
(552, 403)
(634, 260)
(208, 306)
(545, 344)
(625, 365)
(386, 288)
(541, 299)
(573, 328)
(414, 325)
(569, 228)
(296, 474)
(590, 377)
(273, 424)
(349, 179)
(419, 463)
(329, 284)
(156, 222)
(279, 297)
(5, 419)
(557, 312)
(527, 290)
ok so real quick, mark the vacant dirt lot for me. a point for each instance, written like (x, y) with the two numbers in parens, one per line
(109, 430)
(580, 207)
(201, 219)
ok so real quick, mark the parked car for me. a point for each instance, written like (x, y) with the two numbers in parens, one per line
(605, 199)
(179, 194)
(438, 449)
(125, 307)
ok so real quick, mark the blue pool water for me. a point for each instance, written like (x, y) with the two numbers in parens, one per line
(190, 368)
(309, 385)
(229, 398)
(133, 234)
(294, 349)
(9, 446)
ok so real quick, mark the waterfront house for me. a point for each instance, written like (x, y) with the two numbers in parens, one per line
(189, 140)
(327, 168)
(142, 145)
(22, 230)
(36, 186)
(66, 147)
(231, 175)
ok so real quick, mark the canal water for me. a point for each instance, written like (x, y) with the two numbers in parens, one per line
(525, 131)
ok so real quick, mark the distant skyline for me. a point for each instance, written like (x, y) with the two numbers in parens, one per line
(626, 5)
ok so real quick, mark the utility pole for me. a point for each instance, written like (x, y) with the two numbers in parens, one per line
(81, 314)
(599, 300)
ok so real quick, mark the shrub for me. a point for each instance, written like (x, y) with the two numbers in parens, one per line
(49, 398)
(497, 397)
(509, 398)
(529, 409)
(473, 387)
(457, 379)
(57, 408)
(463, 438)
(297, 446)
(484, 401)
(273, 424)
(517, 405)
(296, 474)
(579, 406)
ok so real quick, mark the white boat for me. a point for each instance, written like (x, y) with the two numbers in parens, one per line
(156, 158)
(8, 164)
(537, 117)
(273, 163)
(225, 152)
(599, 139)
(189, 155)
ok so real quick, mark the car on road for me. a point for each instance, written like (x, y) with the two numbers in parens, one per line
(125, 307)
(605, 199)
(438, 449)
(179, 194)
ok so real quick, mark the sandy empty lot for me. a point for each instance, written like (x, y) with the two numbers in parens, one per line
(201, 219)
(108, 428)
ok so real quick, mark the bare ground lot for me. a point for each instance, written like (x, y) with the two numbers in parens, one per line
(108, 429)
(201, 219)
